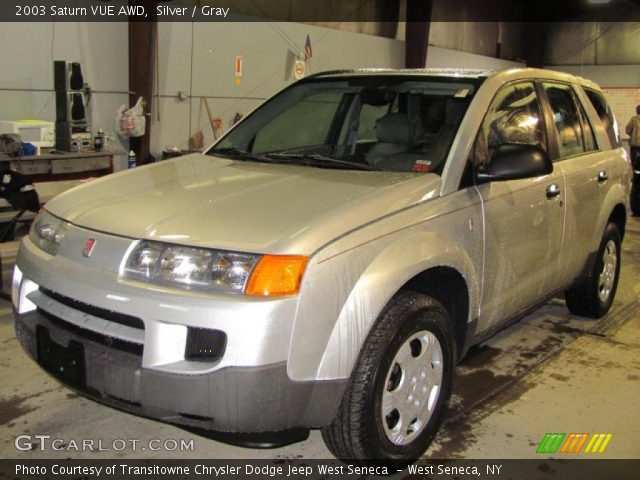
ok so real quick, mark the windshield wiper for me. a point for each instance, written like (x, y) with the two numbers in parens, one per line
(236, 154)
(317, 160)
(311, 159)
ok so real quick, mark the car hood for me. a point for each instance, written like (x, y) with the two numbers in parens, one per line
(215, 202)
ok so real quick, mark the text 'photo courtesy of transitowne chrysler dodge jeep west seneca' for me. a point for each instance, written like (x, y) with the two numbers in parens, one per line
(332, 257)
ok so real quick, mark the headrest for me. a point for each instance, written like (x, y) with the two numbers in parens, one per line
(393, 128)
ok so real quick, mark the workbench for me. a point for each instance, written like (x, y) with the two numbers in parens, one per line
(61, 166)
(52, 174)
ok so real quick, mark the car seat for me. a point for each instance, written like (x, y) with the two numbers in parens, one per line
(392, 132)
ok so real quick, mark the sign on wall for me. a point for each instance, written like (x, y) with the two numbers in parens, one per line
(238, 69)
(299, 69)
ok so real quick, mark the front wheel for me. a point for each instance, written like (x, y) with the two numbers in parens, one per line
(400, 385)
(594, 295)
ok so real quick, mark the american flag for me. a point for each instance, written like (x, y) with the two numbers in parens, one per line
(308, 51)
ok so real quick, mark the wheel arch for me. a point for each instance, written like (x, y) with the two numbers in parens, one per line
(612, 209)
(449, 287)
(619, 217)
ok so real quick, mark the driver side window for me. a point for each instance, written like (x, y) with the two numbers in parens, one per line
(513, 118)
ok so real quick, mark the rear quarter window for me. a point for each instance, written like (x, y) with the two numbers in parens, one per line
(606, 115)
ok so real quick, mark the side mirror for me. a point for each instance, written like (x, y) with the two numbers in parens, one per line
(516, 161)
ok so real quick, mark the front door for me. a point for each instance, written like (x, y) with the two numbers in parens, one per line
(523, 219)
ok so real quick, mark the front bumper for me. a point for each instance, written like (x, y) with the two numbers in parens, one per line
(133, 341)
(249, 399)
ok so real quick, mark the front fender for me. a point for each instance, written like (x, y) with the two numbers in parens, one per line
(359, 283)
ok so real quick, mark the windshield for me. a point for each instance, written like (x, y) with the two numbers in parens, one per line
(393, 124)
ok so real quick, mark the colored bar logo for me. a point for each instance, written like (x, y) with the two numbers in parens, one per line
(574, 443)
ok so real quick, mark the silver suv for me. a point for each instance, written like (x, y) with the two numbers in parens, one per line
(329, 260)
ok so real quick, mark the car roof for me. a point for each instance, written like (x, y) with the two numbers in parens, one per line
(502, 75)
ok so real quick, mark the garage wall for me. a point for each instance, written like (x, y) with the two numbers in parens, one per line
(199, 60)
(26, 63)
(196, 59)
(269, 53)
(475, 42)
(605, 75)
(445, 58)
(480, 38)
(593, 43)
(605, 52)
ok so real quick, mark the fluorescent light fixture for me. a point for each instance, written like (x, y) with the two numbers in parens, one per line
(598, 2)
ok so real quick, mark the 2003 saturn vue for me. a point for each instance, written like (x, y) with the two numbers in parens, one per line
(329, 260)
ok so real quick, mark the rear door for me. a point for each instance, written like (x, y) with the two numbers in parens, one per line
(586, 175)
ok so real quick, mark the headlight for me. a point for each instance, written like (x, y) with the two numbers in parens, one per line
(215, 270)
(188, 267)
(47, 231)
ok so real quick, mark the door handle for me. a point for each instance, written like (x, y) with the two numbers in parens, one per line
(602, 176)
(553, 190)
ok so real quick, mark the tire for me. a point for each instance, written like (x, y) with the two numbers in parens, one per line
(635, 198)
(376, 423)
(635, 207)
(635, 184)
(594, 295)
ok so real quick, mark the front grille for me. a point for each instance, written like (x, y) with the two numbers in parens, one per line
(115, 317)
(111, 342)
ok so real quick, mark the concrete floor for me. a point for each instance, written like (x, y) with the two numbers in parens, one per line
(550, 372)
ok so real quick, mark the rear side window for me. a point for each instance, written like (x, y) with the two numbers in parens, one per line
(566, 119)
(606, 115)
(590, 143)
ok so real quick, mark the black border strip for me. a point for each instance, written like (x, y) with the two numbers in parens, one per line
(316, 11)
(311, 469)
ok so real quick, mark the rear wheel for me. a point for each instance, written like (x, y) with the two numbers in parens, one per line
(401, 383)
(635, 204)
(635, 195)
(635, 185)
(594, 295)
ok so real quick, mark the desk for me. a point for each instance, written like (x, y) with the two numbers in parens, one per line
(63, 166)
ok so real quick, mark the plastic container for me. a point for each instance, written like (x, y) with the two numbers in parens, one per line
(131, 159)
(98, 141)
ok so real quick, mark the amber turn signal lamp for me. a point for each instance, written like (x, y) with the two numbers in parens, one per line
(277, 275)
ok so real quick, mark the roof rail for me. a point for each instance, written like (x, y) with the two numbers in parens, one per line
(331, 72)
(391, 71)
